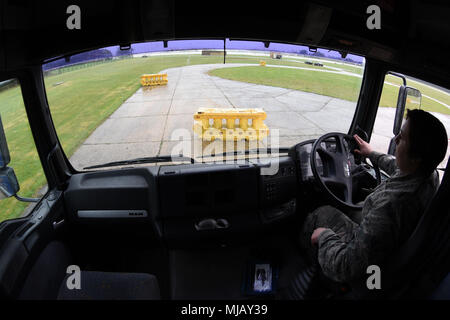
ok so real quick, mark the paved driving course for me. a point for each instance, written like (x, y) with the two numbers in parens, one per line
(145, 123)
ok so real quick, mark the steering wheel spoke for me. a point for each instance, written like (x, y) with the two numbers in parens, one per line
(333, 182)
(348, 193)
(344, 186)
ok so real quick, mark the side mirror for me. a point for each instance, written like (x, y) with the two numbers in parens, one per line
(9, 185)
(408, 98)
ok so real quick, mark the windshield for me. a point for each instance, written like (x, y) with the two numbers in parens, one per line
(193, 98)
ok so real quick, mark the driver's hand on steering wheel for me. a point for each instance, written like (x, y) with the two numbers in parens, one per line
(364, 148)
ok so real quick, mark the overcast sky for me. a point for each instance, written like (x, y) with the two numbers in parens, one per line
(218, 44)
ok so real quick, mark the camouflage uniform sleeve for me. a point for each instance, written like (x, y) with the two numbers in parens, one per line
(346, 261)
(386, 162)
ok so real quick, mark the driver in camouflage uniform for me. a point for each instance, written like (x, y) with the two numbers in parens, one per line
(343, 248)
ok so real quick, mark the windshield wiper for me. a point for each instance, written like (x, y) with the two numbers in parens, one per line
(142, 160)
(248, 152)
(183, 158)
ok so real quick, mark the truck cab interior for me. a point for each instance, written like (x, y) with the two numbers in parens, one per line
(153, 228)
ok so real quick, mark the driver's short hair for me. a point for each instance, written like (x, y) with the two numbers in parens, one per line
(428, 139)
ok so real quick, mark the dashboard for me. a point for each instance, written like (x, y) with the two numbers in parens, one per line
(189, 203)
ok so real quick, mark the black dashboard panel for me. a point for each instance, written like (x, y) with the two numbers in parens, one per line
(181, 201)
(113, 195)
(207, 189)
(196, 203)
(281, 186)
(216, 204)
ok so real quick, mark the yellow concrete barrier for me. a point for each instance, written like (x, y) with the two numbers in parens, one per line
(262, 63)
(230, 124)
(154, 79)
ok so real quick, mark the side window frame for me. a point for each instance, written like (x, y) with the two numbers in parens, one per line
(33, 112)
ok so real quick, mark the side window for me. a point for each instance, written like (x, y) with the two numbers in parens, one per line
(24, 159)
(434, 99)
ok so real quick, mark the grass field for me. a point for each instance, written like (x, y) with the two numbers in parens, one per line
(390, 92)
(295, 62)
(329, 84)
(345, 67)
(82, 97)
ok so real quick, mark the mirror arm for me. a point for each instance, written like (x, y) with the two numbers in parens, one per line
(26, 199)
(398, 75)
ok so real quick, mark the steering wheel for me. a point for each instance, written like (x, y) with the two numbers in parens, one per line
(337, 177)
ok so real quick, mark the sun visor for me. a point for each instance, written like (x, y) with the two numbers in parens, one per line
(315, 24)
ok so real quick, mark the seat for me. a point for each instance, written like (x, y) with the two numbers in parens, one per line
(419, 269)
(47, 280)
(112, 286)
(443, 291)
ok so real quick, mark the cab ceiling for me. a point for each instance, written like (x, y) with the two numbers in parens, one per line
(413, 35)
